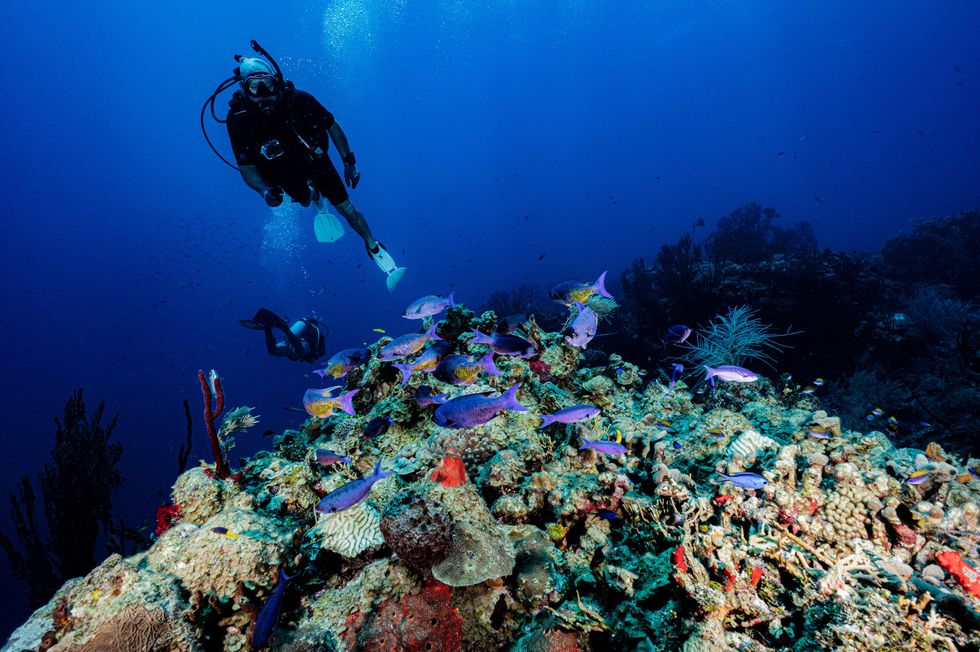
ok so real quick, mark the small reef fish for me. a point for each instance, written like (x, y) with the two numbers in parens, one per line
(378, 426)
(343, 361)
(917, 477)
(458, 369)
(379, 330)
(676, 445)
(877, 411)
(505, 344)
(269, 614)
(818, 432)
(571, 414)
(973, 471)
(424, 397)
(809, 389)
(717, 433)
(583, 328)
(603, 446)
(476, 409)
(429, 305)
(511, 323)
(819, 382)
(607, 514)
(351, 493)
(327, 457)
(745, 479)
(322, 403)
(675, 375)
(663, 423)
(406, 345)
(729, 374)
(571, 292)
(225, 532)
(676, 335)
(427, 362)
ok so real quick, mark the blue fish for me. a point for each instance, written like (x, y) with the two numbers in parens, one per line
(746, 480)
(603, 446)
(269, 615)
(351, 493)
(378, 426)
(327, 457)
(675, 375)
(676, 335)
(607, 514)
(424, 397)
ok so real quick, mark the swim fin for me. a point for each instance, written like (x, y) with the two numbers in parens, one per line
(326, 226)
(387, 265)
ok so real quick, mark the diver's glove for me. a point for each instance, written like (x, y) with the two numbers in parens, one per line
(352, 176)
(272, 197)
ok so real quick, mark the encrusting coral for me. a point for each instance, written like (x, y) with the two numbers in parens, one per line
(510, 535)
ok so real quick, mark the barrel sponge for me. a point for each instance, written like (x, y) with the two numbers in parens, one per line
(418, 528)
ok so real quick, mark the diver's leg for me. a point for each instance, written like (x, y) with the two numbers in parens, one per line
(357, 222)
(270, 343)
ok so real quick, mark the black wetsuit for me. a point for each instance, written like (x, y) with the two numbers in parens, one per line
(308, 345)
(287, 142)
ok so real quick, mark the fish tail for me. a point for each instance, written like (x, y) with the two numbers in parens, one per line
(431, 333)
(320, 372)
(488, 366)
(347, 401)
(600, 286)
(283, 578)
(480, 338)
(546, 420)
(586, 443)
(406, 369)
(440, 398)
(509, 399)
(378, 473)
(452, 302)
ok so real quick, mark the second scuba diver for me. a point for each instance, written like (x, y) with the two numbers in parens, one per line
(279, 135)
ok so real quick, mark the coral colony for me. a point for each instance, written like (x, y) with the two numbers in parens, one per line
(535, 496)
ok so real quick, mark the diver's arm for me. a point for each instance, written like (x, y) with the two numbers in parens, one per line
(250, 173)
(340, 141)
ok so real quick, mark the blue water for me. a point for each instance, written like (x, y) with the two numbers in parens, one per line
(488, 136)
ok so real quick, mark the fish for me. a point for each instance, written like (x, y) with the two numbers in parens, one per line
(603, 446)
(225, 532)
(428, 306)
(321, 402)
(729, 374)
(379, 330)
(809, 389)
(676, 445)
(583, 328)
(269, 614)
(819, 382)
(505, 344)
(973, 471)
(675, 375)
(917, 477)
(268, 433)
(406, 345)
(424, 397)
(351, 493)
(571, 292)
(663, 423)
(327, 457)
(571, 414)
(511, 323)
(607, 514)
(427, 362)
(745, 479)
(676, 335)
(818, 432)
(877, 411)
(476, 409)
(892, 421)
(342, 362)
(378, 426)
(717, 433)
(458, 369)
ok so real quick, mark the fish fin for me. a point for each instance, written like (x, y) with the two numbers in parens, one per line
(546, 420)
(320, 372)
(346, 401)
(488, 366)
(431, 333)
(480, 338)
(600, 286)
(452, 302)
(283, 578)
(586, 443)
(510, 399)
(406, 369)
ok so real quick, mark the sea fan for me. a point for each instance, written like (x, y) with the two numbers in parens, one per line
(735, 339)
(238, 420)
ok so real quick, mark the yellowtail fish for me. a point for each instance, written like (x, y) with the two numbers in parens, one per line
(917, 476)
(819, 382)
(818, 432)
(225, 532)
(378, 330)
(877, 411)
(717, 433)
(322, 403)
(663, 423)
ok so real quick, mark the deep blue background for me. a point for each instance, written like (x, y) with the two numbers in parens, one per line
(487, 136)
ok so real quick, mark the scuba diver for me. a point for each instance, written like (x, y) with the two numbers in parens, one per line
(280, 136)
(305, 340)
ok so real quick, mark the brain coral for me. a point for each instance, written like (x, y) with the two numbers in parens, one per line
(418, 528)
(351, 531)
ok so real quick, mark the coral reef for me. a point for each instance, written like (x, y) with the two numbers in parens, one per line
(509, 535)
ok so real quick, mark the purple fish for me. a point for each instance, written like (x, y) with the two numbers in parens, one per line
(343, 361)
(572, 414)
(571, 292)
(583, 328)
(503, 344)
(407, 344)
(603, 446)
(607, 514)
(675, 375)
(378, 426)
(322, 403)
(424, 397)
(676, 335)
(745, 480)
(351, 493)
(460, 369)
(511, 323)
(429, 305)
(269, 614)
(476, 409)
(327, 457)
(729, 374)
(427, 362)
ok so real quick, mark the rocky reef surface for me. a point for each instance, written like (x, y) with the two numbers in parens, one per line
(511, 536)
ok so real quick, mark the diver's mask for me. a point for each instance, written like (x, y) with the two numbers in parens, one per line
(261, 87)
